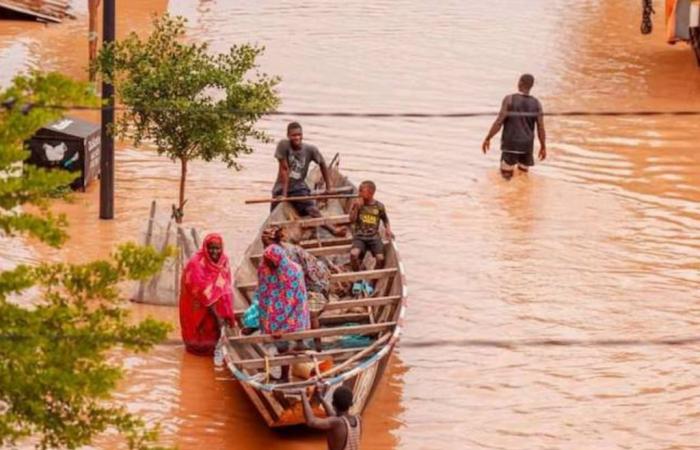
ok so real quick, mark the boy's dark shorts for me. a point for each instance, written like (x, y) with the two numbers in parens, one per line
(303, 207)
(509, 160)
(373, 244)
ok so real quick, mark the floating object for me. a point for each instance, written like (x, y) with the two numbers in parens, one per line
(42, 10)
(70, 144)
(375, 321)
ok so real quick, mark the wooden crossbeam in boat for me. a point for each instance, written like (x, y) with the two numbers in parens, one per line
(322, 251)
(319, 251)
(274, 361)
(376, 274)
(348, 304)
(339, 319)
(315, 222)
(329, 242)
(310, 334)
(377, 301)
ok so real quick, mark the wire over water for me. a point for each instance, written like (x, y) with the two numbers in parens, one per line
(347, 114)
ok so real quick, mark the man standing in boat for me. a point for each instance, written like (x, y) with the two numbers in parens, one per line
(519, 114)
(295, 157)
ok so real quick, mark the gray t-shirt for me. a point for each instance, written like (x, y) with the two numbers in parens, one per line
(519, 131)
(298, 160)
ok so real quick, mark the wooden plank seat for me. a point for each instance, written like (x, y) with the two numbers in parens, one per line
(284, 360)
(328, 242)
(343, 277)
(348, 304)
(339, 319)
(376, 301)
(311, 334)
(343, 219)
(320, 251)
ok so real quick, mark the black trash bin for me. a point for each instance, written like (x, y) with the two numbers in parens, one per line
(70, 144)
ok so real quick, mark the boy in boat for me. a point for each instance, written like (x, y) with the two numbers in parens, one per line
(343, 430)
(295, 157)
(517, 140)
(365, 214)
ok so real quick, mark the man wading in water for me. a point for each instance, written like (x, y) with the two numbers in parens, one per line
(294, 157)
(518, 138)
(343, 430)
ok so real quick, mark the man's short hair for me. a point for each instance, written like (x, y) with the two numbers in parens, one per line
(370, 185)
(293, 126)
(342, 399)
(527, 81)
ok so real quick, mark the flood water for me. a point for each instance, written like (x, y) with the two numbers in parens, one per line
(598, 243)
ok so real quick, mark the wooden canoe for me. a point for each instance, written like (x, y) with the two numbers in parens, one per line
(252, 359)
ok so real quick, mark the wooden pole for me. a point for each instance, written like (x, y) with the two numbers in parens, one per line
(149, 238)
(107, 155)
(300, 198)
(93, 6)
(178, 265)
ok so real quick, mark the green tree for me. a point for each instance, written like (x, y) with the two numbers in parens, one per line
(190, 103)
(60, 322)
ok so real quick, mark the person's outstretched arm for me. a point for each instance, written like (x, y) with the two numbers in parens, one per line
(311, 419)
(387, 226)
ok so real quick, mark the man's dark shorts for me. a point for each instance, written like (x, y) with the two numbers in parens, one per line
(303, 207)
(509, 160)
(373, 244)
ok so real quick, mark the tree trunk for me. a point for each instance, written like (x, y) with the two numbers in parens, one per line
(183, 178)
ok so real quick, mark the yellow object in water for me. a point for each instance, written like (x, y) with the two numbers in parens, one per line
(307, 370)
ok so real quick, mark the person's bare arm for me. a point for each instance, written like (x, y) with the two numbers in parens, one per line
(283, 176)
(311, 419)
(542, 136)
(497, 124)
(354, 210)
(320, 394)
(387, 225)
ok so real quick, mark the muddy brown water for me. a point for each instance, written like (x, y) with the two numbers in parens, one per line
(599, 242)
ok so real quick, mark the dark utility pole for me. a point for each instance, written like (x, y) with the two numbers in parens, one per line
(107, 156)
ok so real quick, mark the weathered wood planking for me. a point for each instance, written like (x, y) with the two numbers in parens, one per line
(47, 10)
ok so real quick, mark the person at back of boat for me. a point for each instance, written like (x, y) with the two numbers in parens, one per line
(366, 213)
(517, 140)
(282, 298)
(344, 430)
(206, 297)
(294, 158)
